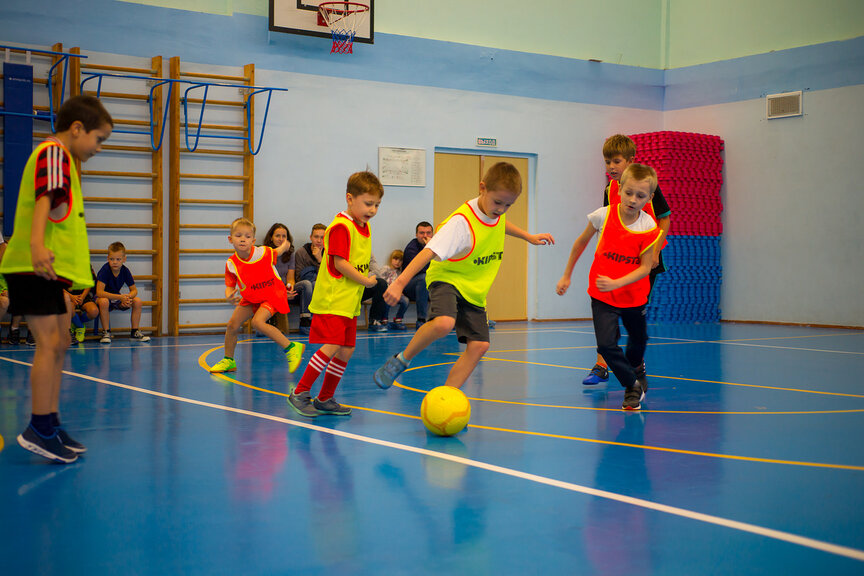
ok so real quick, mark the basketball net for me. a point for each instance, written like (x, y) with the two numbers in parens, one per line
(343, 19)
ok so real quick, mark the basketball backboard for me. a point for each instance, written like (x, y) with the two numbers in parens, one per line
(301, 17)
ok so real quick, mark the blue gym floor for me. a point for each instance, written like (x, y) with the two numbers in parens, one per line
(747, 458)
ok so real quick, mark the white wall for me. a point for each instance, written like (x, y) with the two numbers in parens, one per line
(793, 197)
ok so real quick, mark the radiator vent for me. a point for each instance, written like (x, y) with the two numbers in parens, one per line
(784, 105)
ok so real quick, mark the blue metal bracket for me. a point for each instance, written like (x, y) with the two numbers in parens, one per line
(192, 146)
(64, 60)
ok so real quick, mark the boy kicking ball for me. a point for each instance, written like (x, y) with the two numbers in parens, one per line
(254, 286)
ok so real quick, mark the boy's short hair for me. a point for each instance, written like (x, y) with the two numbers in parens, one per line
(117, 247)
(423, 224)
(619, 144)
(640, 173)
(396, 254)
(503, 176)
(242, 222)
(318, 226)
(85, 109)
(361, 183)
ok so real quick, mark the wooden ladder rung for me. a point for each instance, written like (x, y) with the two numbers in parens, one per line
(109, 200)
(122, 148)
(205, 251)
(118, 174)
(212, 201)
(216, 102)
(214, 76)
(147, 71)
(201, 276)
(211, 151)
(120, 95)
(106, 225)
(215, 127)
(205, 226)
(136, 252)
(213, 177)
(130, 122)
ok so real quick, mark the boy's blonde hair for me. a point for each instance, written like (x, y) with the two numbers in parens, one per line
(503, 176)
(619, 144)
(361, 183)
(242, 222)
(640, 173)
(117, 247)
(396, 254)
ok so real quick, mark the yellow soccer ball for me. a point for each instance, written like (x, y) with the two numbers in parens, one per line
(445, 411)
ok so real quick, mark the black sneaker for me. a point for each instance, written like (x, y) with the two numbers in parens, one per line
(70, 442)
(330, 406)
(642, 377)
(51, 447)
(31, 340)
(302, 404)
(14, 337)
(633, 397)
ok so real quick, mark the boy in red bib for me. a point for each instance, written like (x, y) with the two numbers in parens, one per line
(618, 280)
(254, 285)
(336, 301)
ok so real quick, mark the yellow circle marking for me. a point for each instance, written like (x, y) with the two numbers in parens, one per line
(202, 362)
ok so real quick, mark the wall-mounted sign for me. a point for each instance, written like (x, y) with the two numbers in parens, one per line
(487, 142)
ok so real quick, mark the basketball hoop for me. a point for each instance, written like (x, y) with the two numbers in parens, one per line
(343, 19)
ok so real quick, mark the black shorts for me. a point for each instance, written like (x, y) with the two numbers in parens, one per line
(471, 322)
(30, 295)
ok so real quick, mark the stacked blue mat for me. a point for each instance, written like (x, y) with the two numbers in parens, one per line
(689, 291)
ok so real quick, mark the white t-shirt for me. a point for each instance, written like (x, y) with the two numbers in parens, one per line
(454, 237)
(642, 224)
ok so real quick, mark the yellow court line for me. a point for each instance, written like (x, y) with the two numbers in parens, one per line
(643, 411)
(204, 365)
(487, 358)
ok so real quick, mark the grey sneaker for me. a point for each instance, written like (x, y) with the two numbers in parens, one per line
(642, 377)
(386, 374)
(633, 397)
(330, 406)
(70, 442)
(106, 337)
(140, 336)
(302, 404)
(51, 447)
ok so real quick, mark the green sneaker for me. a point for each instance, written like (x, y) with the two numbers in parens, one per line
(80, 333)
(294, 354)
(224, 365)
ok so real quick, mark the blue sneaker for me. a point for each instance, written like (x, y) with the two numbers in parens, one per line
(50, 447)
(397, 325)
(597, 375)
(386, 374)
(377, 326)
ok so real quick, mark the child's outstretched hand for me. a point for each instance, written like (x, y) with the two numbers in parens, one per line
(606, 284)
(563, 285)
(541, 239)
(235, 297)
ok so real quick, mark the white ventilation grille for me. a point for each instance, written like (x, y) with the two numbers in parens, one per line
(784, 105)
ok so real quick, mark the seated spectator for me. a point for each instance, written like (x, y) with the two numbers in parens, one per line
(388, 274)
(84, 308)
(307, 260)
(14, 335)
(286, 265)
(416, 288)
(109, 282)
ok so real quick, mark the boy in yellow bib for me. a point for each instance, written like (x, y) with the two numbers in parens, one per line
(336, 301)
(465, 254)
(48, 253)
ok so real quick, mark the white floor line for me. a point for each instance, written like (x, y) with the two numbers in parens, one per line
(820, 545)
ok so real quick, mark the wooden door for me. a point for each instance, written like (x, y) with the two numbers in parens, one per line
(457, 179)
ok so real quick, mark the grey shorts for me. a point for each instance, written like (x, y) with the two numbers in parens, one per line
(471, 323)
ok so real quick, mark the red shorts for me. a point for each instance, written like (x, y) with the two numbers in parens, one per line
(332, 329)
(273, 305)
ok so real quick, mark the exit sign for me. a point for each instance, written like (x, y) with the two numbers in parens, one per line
(487, 142)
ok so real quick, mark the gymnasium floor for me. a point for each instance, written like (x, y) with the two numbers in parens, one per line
(746, 459)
